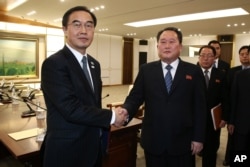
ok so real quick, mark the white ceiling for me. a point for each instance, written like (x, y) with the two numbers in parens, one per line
(118, 12)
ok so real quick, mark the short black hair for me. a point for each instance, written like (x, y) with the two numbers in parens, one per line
(244, 47)
(209, 47)
(214, 42)
(74, 9)
(176, 30)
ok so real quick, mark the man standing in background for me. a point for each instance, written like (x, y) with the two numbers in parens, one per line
(215, 95)
(244, 58)
(220, 64)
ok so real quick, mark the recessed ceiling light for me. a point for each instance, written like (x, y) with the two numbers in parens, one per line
(190, 17)
(57, 20)
(97, 8)
(131, 34)
(103, 29)
(31, 13)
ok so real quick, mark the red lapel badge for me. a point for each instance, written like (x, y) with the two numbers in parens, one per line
(189, 77)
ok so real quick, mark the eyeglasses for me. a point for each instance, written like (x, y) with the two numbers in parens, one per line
(207, 56)
(78, 25)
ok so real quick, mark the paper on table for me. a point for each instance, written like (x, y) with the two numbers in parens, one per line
(24, 134)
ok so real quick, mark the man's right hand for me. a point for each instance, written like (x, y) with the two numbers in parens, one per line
(121, 116)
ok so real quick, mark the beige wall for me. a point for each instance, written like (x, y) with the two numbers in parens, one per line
(108, 49)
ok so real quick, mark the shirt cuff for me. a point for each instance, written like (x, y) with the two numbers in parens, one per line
(113, 118)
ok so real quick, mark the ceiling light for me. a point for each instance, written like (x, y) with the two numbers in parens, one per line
(31, 13)
(131, 34)
(57, 20)
(103, 29)
(190, 17)
(11, 4)
(97, 8)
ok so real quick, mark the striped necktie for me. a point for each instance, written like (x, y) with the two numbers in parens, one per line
(168, 78)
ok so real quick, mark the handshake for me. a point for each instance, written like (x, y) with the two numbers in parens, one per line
(121, 116)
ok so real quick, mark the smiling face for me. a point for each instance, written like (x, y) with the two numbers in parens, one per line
(79, 31)
(168, 46)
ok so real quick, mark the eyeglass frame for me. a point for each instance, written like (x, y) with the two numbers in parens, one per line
(207, 56)
(89, 25)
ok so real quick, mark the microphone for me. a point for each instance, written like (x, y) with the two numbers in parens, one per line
(5, 98)
(107, 95)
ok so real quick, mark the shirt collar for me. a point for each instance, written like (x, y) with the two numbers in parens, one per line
(209, 70)
(77, 54)
(174, 64)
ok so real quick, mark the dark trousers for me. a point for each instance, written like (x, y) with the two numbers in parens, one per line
(211, 146)
(241, 142)
(166, 160)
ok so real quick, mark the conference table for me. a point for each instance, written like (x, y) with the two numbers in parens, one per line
(122, 142)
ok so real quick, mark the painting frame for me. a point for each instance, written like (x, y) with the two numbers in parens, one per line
(14, 66)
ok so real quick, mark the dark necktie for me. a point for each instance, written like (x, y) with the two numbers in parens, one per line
(168, 78)
(206, 77)
(85, 70)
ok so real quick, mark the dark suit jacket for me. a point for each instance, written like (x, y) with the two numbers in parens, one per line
(74, 114)
(229, 81)
(240, 102)
(223, 66)
(231, 73)
(171, 121)
(216, 92)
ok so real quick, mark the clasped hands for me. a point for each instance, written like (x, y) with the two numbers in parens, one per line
(121, 116)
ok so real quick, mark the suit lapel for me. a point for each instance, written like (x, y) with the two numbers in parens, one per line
(92, 67)
(178, 75)
(75, 66)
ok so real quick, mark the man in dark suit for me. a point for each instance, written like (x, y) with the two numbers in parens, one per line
(75, 120)
(220, 64)
(174, 120)
(216, 93)
(245, 63)
(239, 125)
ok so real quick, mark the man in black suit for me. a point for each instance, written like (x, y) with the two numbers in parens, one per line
(215, 93)
(239, 125)
(174, 120)
(75, 120)
(245, 63)
(220, 64)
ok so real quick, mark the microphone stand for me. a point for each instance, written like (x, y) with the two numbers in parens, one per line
(28, 102)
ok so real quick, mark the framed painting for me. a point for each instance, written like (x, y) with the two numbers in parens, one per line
(19, 56)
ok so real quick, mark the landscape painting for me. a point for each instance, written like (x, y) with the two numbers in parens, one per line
(18, 57)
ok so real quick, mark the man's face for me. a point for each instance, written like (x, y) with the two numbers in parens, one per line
(206, 58)
(244, 57)
(168, 46)
(217, 49)
(79, 31)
